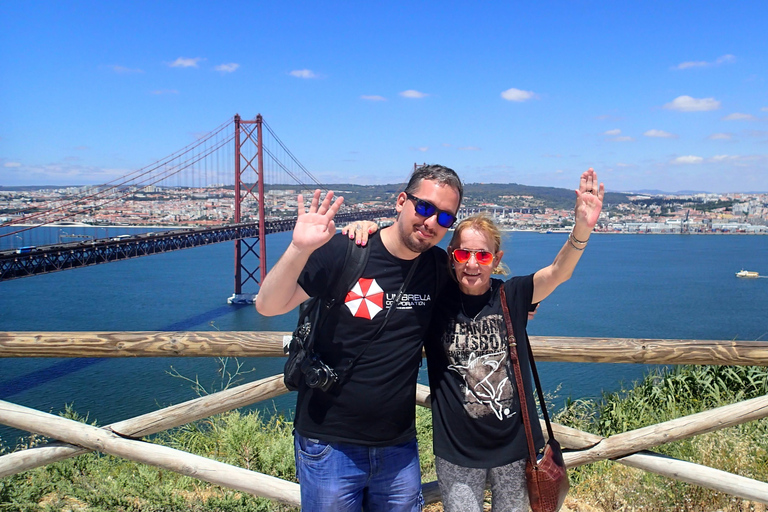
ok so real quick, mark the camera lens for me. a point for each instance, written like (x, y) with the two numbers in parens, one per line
(317, 374)
(315, 378)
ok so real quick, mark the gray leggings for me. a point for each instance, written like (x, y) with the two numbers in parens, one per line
(463, 488)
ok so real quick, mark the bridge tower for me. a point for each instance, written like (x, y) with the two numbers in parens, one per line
(250, 254)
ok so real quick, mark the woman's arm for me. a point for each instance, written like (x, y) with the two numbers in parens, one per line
(589, 203)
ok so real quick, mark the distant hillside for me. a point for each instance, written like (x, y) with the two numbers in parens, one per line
(503, 194)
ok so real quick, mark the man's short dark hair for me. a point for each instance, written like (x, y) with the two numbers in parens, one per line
(438, 173)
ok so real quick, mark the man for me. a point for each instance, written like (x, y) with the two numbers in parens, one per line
(356, 443)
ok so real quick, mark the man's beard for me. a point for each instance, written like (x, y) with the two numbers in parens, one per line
(412, 243)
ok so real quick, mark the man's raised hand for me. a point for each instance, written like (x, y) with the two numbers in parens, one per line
(315, 226)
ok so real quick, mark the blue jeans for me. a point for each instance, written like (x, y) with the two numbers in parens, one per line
(341, 477)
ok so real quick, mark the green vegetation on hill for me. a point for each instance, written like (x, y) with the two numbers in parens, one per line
(714, 205)
(512, 194)
(96, 482)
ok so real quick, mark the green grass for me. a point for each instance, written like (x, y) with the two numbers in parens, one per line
(97, 482)
(661, 396)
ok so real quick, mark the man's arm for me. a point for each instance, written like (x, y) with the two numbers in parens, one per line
(589, 203)
(280, 292)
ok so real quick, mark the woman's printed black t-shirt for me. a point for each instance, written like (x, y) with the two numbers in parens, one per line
(476, 417)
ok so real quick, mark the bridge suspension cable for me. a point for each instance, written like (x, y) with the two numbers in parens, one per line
(291, 155)
(139, 178)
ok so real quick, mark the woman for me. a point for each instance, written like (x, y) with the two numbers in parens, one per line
(478, 430)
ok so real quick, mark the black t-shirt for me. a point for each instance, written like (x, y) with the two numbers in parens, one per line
(375, 403)
(476, 417)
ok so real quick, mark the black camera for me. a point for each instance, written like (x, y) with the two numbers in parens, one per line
(317, 374)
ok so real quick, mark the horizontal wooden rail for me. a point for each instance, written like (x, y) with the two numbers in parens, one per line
(650, 351)
(696, 474)
(151, 423)
(672, 430)
(270, 344)
(95, 438)
(142, 344)
(630, 448)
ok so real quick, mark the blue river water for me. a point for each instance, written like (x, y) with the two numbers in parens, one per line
(627, 286)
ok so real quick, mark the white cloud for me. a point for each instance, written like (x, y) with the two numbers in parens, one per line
(764, 109)
(690, 159)
(165, 91)
(720, 136)
(227, 68)
(689, 104)
(373, 97)
(411, 93)
(660, 133)
(616, 135)
(303, 73)
(704, 64)
(722, 158)
(182, 62)
(692, 64)
(725, 59)
(518, 95)
(737, 116)
(469, 148)
(124, 70)
(11, 164)
(423, 149)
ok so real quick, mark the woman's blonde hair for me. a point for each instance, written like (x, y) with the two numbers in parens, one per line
(481, 223)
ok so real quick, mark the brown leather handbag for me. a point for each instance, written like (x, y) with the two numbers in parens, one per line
(546, 477)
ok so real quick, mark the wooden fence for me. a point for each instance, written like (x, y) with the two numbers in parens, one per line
(123, 439)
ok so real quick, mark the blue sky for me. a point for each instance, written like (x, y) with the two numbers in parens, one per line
(653, 95)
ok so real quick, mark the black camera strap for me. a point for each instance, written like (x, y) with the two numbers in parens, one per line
(345, 371)
(315, 310)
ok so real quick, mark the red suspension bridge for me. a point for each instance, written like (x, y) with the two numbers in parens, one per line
(237, 183)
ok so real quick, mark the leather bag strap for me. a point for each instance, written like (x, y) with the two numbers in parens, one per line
(512, 342)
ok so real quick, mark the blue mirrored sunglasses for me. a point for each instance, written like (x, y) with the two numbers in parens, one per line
(427, 209)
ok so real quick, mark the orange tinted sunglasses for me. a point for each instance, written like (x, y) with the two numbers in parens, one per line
(481, 257)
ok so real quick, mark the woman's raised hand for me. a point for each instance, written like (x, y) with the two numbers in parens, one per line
(589, 199)
(315, 226)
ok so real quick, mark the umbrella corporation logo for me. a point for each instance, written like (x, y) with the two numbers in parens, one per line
(366, 299)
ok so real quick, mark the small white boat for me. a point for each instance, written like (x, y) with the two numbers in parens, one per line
(747, 274)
